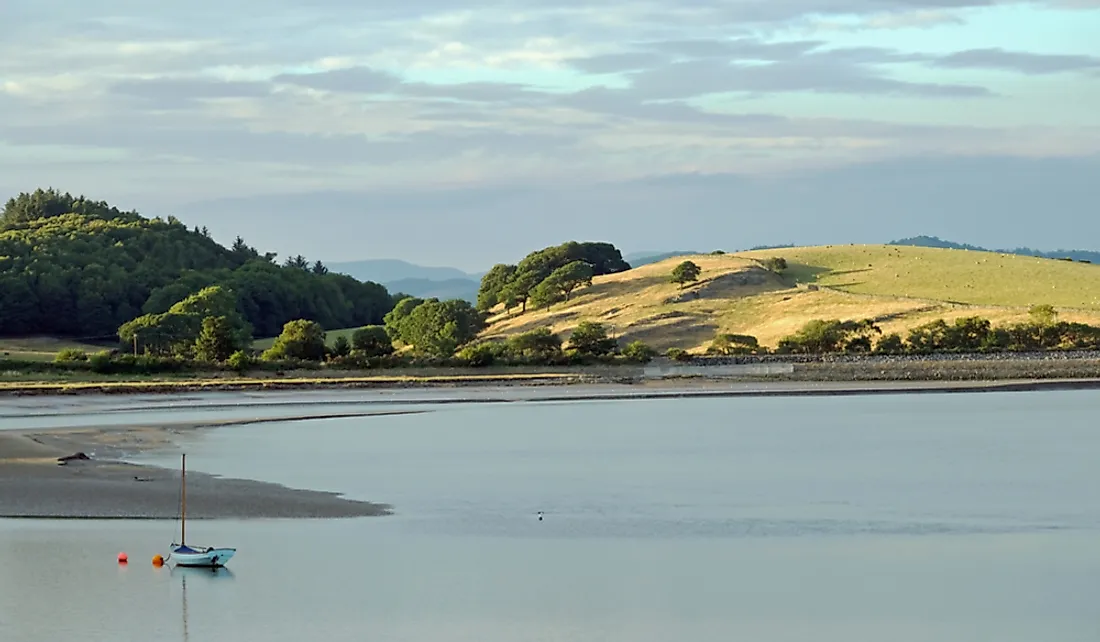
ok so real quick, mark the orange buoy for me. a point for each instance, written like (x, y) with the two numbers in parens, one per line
(122, 558)
(158, 561)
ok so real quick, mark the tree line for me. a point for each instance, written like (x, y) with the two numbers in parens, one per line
(1043, 331)
(78, 268)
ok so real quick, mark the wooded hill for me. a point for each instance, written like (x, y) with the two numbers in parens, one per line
(78, 268)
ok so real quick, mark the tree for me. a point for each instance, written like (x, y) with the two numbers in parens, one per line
(729, 344)
(776, 264)
(686, 272)
(298, 262)
(890, 344)
(545, 295)
(300, 339)
(818, 337)
(74, 267)
(215, 341)
(590, 338)
(493, 284)
(161, 334)
(438, 328)
(216, 301)
(372, 341)
(539, 343)
(1043, 315)
(570, 276)
(341, 347)
(319, 268)
(514, 286)
(639, 352)
(518, 290)
(395, 319)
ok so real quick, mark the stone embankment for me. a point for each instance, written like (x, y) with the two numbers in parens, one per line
(932, 367)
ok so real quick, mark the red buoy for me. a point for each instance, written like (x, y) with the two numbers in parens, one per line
(122, 559)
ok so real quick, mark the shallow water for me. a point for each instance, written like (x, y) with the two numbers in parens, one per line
(931, 517)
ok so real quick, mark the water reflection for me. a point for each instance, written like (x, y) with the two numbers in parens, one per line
(202, 575)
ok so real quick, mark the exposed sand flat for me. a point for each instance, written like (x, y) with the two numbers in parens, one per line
(33, 484)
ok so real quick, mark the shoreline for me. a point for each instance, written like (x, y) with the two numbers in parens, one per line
(35, 482)
(855, 371)
(34, 485)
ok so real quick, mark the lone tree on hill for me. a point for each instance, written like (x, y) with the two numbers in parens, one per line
(686, 272)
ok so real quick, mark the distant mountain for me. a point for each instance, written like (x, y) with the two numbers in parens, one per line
(638, 259)
(933, 241)
(443, 290)
(388, 270)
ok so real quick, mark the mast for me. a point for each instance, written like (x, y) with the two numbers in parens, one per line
(183, 511)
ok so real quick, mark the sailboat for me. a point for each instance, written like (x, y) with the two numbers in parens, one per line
(202, 556)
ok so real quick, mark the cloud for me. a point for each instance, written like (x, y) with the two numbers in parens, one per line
(363, 80)
(617, 62)
(917, 19)
(697, 78)
(352, 79)
(215, 98)
(184, 92)
(1018, 61)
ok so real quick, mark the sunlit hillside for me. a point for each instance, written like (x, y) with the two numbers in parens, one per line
(899, 286)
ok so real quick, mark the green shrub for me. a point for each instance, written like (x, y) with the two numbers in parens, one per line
(730, 344)
(890, 344)
(639, 352)
(240, 361)
(677, 354)
(70, 355)
(480, 355)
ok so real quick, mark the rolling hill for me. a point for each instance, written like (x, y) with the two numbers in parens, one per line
(899, 286)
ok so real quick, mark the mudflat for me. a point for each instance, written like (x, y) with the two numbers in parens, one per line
(34, 483)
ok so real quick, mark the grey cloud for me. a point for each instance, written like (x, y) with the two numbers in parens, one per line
(363, 80)
(486, 92)
(697, 78)
(184, 92)
(1023, 62)
(622, 104)
(190, 135)
(618, 62)
(354, 79)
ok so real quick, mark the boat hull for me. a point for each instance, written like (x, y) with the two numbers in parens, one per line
(202, 557)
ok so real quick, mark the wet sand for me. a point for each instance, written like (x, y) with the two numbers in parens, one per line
(35, 484)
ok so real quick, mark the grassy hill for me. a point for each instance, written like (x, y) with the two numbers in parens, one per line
(899, 286)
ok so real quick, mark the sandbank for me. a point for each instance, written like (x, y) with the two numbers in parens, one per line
(35, 482)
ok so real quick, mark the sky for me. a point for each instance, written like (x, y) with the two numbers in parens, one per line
(470, 132)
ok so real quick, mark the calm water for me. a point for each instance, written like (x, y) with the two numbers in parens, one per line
(902, 518)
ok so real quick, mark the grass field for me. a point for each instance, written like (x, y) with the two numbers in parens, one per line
(41, 348)
(900, 287)
(973, 278)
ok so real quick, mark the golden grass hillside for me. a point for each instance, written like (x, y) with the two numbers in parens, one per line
(900, 287)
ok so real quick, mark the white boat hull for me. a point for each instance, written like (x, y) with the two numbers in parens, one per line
(201, 557)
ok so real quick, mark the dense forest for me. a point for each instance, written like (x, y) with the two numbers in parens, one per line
(73, 267)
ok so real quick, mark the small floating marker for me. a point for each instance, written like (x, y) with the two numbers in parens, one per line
(540, 515)
(158, 561)
(123, 558)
